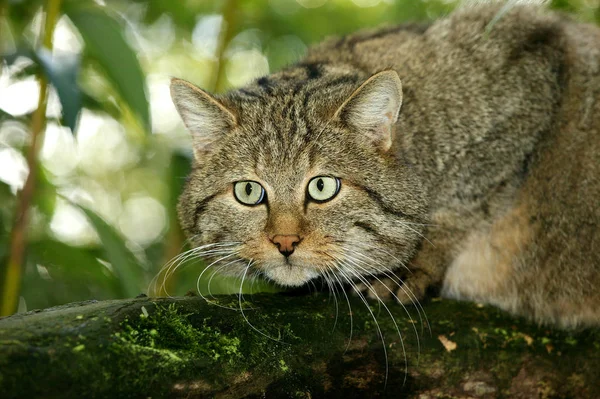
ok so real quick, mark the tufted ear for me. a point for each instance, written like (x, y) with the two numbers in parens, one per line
(204, 116)
(373, 108)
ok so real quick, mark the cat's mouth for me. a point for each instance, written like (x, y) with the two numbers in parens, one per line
(291, 270)
(289, 275)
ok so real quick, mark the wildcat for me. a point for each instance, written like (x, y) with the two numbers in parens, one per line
(462, 154)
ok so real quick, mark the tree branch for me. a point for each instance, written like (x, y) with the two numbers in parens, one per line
(289, 346)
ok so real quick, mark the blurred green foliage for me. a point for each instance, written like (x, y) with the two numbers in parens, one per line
(103, 219)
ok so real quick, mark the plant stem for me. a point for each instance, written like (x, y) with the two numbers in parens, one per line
(224, 38)
(11, 285)
(3, 14)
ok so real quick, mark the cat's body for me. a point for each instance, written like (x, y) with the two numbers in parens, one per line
(488, 184)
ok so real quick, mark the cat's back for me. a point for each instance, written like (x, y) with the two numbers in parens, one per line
(490, 34)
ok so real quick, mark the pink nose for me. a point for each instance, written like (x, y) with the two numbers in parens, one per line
(286, 243)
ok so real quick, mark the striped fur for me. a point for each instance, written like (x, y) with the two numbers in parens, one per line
(488, 188)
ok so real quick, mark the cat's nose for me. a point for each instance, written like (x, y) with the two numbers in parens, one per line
(286, 243)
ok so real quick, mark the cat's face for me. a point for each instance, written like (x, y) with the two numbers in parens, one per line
(294, 184)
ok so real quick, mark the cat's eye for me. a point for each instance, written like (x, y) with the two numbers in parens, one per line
(323, 188)
(249, 192)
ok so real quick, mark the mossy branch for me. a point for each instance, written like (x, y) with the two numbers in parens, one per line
(288, 346)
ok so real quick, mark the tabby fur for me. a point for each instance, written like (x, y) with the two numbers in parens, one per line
(486, 184)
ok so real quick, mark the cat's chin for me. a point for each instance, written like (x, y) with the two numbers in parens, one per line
(290, 276)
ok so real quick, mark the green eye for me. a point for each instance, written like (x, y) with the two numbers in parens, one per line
(323, 188)
(249, 192)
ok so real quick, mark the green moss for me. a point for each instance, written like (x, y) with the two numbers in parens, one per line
(78, 348)
(172, 333)
(283, 365)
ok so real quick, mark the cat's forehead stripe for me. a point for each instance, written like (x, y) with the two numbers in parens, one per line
(313, 70)
(302, 83)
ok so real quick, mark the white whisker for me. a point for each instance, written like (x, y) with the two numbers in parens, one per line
(170, 267)
(200, 277)
(349, 308)
(332, 291)
(240, 297)
(389, 273)
(361, 296)
(370, 287)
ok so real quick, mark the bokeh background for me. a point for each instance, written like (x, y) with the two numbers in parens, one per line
(107, 147)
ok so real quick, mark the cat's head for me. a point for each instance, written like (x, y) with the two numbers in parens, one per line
(298, 176)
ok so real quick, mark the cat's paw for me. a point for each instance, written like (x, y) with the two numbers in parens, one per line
(383, 289)
(409, 290)
(413, 288)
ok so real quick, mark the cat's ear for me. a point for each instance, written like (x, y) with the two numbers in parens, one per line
(204, 116)
(373, 108)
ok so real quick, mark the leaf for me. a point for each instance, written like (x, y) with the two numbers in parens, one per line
(448, 345)
(5, 116)
(11, 57)
(105, 42)
(62, 73)
(98, 106)
(125, 264)
(45, 193)
(75, 264)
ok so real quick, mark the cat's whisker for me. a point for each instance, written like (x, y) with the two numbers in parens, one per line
(189, 257)
(421, 224)
(366, 303)
(310, 285)
(380, 302)
(200, 277)
(257, 275)
(335, 291)
(341, 285)
(240, 298)
(184, 253)
(214, 273)
(386, 271)
(217, 249)
(243, 274)
(378, 248)
(416, 231)
(226, 254)
(194, 255)
(392, 276)
(164, 269)
(217, 271)
(355, 263)
(332, 291)
(354, 244)
(169, 268)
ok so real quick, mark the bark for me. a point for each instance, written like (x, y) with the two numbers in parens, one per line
(289, 346)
